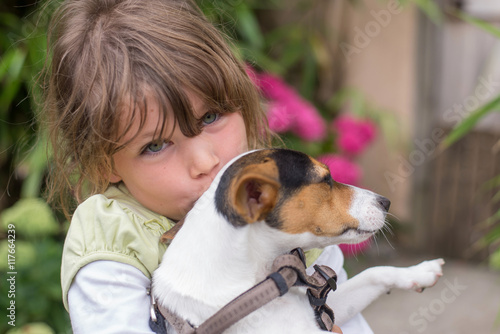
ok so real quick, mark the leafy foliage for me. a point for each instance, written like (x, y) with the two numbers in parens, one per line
(23, 162)
(38, 251)
(492, 238)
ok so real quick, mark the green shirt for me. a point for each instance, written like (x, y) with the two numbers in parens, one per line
(112, 226)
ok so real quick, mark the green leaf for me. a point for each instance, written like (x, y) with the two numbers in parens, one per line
(490, 185)
(37, 166)
(489, 28)
(32, 217)
(248, 26)
(263, 61)
(468, 123)
(321, 54)
(493, 183)
(25, 254)
(32, 328)
(495, 260)
(12, 63)
(309, 77)
(292, 54)
(10, 70)
(492, 236)
(431, 9)
(491, 220)
(10, 21)
(286, 32)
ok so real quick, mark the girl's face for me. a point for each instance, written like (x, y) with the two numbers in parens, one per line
(167, 177)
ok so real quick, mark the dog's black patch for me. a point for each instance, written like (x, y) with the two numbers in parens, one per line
(294, 169)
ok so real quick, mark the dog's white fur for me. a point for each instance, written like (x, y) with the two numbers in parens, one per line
(210, 262)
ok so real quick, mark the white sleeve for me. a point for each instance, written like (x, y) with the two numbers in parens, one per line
(109, 297)
(333, 257)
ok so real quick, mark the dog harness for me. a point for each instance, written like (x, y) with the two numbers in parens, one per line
(288, 270)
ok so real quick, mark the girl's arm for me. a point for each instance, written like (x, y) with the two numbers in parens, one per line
(109, 297)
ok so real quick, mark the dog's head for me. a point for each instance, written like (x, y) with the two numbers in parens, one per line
(294, 193)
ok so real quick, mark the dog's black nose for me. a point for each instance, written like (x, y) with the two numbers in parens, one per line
(384, 202)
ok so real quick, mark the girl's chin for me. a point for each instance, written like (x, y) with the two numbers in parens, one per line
(183, 208)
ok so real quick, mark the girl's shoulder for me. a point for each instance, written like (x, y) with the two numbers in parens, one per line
(115, 221)
(116, 215)
(117, 200)
(113, 226)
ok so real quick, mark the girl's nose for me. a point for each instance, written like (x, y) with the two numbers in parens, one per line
(202, 158)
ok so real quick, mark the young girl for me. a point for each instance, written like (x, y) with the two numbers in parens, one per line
(146, 103)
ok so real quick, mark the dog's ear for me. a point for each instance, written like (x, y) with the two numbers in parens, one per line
(168, 236)
(254, 195)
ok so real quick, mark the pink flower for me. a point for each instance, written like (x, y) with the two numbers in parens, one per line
(342, 169)
(354, 249)
(354, 135)
(279, 117)
(309, 124)
(288, 111)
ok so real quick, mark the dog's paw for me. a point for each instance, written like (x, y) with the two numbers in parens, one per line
(421, 276)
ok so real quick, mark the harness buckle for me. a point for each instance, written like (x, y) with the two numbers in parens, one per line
(153, 305)
(331, 280)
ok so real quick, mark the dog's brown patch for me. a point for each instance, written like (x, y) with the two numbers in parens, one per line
(320, 210)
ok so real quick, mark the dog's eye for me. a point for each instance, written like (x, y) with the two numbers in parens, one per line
(328, 180)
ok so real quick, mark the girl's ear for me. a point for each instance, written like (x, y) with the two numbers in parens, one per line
(114, 178)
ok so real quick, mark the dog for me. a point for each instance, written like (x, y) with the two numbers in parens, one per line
(262, 205)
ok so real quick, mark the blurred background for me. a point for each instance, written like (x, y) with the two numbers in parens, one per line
(400, 97)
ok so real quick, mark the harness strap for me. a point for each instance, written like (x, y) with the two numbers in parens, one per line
(181, 326)
(237, 309)
(320, 283)
(288, 270)
(280, 282)
(317, 297)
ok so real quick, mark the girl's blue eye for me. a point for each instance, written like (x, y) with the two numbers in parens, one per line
(209, 118)
(155, 147)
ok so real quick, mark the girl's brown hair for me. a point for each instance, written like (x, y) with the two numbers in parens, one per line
(107, 55)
